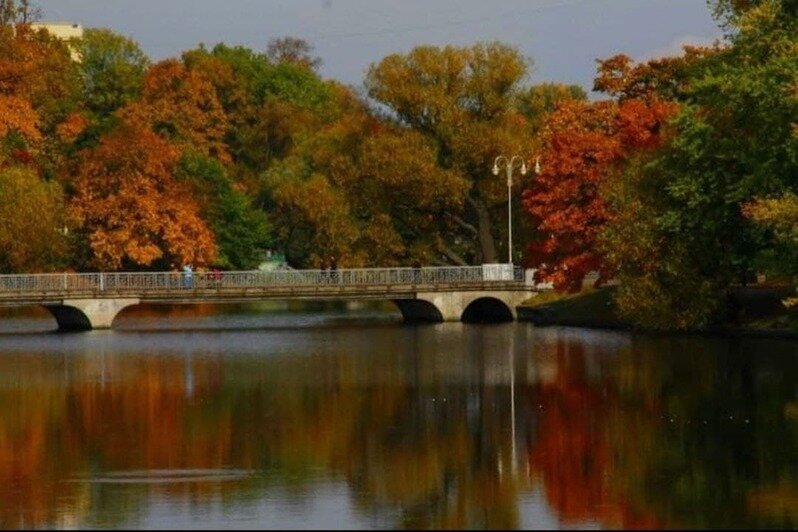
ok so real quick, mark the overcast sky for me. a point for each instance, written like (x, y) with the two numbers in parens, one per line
(563, 37)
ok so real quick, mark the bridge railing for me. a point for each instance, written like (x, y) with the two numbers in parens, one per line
(153, 282)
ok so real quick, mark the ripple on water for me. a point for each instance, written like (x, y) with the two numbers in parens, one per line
(167, 476)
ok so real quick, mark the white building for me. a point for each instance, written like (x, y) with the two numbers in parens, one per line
(66, 31)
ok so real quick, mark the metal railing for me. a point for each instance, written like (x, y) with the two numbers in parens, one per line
(143, 283)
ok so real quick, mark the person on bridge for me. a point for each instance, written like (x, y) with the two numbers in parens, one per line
(416, 271)
(333, 270)
(188, 276)
(216, 276)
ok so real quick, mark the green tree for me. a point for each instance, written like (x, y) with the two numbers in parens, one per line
(268, 104)
(112, 67)
(241, 229)
(734, 140)
(540, 100)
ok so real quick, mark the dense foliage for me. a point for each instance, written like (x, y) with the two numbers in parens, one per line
(680, 185)
(700, 207)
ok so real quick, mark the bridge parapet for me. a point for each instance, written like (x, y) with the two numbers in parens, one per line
(145, 284)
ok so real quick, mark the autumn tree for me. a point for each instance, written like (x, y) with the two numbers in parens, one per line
(182, 107)
(538, 101)
(38, 67)
(268, 104)
(584, 144)
(18, 123)
(32, 235)
(733, 141)
(463, 101)
(39, 89)
(362, 190)
(132, 210)
(666, 78)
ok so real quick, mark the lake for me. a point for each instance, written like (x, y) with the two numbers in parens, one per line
(267, 416)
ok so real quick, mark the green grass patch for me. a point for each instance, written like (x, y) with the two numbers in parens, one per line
(588, 308)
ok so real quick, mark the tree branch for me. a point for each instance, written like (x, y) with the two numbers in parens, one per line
(453, 256)
(462, 223)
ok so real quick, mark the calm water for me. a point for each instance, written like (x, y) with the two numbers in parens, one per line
(247, 418)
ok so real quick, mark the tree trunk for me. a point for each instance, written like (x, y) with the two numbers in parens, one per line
(487, 245)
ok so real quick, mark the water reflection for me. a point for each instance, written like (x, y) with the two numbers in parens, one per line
(381, 425)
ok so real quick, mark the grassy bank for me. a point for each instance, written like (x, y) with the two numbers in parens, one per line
(588, 308)
(761, 311)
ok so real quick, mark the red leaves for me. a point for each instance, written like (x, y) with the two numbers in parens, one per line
(583, 144)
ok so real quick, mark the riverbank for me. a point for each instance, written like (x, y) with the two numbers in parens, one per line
(761, 312)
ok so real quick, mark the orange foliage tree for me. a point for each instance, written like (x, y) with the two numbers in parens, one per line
(583, 143)
(18, 116)
(132, 209)
(38, 67)
(182, 106)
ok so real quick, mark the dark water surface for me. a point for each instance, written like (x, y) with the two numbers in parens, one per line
(255, 417)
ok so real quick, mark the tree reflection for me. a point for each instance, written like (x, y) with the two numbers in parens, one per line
(653, 433)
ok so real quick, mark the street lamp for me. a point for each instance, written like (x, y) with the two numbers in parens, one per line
(510, 164)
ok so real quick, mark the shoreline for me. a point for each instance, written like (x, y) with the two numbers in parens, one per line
(593, 309)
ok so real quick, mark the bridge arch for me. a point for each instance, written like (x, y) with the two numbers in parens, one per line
(469, 307)
(487, 310)
(419, 311)
(87, 314)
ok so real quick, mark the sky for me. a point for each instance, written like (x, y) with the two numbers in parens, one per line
(563, 38)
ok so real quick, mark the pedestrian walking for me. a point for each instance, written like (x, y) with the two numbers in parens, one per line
(188, 276)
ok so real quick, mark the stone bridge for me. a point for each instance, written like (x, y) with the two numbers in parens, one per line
(84, 301)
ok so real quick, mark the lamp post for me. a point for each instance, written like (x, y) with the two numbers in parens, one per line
(510, 164)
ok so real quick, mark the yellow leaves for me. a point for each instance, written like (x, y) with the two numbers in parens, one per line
(318, 208)
(398, 167)
(438, 88)
(779, 214)
(32, 214)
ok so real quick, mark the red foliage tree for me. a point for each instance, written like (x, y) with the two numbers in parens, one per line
(583, 143)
